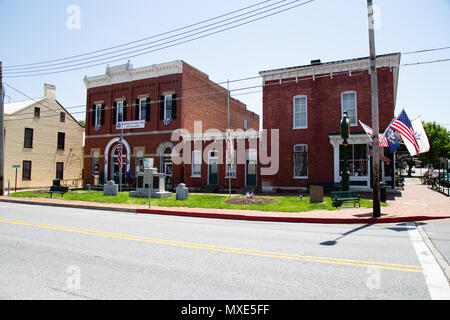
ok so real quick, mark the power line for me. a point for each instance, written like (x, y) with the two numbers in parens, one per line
(230, 81)
(136, 41)
(171, 45)
(140, 45)
(426, 50)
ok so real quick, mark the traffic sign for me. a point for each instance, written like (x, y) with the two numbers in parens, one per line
(134, 124)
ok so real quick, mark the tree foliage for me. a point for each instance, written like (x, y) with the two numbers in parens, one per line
(439, 139)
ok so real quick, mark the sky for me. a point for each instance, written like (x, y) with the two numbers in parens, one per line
(36, 31)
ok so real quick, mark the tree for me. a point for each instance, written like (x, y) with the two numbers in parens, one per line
(439, 139)
(82, 123)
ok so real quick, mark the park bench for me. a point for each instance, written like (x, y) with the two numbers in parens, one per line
(339, 197)
(58, 189)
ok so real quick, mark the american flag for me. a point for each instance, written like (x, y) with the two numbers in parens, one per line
(119, 153)
(382, 141)
(404, 126)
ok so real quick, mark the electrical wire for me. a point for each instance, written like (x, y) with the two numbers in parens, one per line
(136, 41)
(165, 47)
(231, 90)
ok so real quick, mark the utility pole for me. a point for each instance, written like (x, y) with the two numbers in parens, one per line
(375, 118)
(229, 132)
(2, 136)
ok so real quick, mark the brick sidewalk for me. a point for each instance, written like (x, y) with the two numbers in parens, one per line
(416, 202)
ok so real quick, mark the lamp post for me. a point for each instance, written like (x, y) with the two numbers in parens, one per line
(345, 134)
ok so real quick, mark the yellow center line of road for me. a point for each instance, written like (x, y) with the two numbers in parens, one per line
(224, 249)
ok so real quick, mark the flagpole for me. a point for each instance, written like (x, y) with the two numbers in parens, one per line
(375, 117)
(229, 132)
(121, 154)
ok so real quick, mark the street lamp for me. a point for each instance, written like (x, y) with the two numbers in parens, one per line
(345, 134)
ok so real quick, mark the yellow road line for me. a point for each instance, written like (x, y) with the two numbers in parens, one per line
(269, 254)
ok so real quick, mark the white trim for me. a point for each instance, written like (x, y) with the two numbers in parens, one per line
(247, 153)
(119, 102)
(107, 155)
(293, 159)
(356, 106)
(142, 105)
(306, 112)
(98, 111)
(213, 158)
(192, 164)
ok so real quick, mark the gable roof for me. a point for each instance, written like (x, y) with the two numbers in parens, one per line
(11, 108)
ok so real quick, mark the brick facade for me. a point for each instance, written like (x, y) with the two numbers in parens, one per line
(194, 97)
(323, 86)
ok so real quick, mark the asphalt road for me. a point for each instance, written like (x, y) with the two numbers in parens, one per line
(64, 253)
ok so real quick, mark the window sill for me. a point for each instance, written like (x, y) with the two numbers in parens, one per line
(300, 177)
(296, 128)
(196, 176)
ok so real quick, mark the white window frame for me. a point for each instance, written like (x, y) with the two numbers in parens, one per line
(356, 107)
(193, 173)
(293, 159)
(306, 111)
(167, 97)
(142, 104)
(98, 114)
(119, 108)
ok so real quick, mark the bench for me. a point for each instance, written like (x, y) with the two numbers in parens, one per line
(339, 197)
(58, 189)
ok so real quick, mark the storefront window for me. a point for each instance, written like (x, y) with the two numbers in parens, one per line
(358, 163)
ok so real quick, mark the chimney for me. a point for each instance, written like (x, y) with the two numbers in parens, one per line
(316, 62)
(49, 91)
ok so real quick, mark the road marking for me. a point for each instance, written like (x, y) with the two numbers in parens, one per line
(224, 249)
(434, 276)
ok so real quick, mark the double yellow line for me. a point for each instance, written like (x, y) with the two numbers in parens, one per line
(260, 253)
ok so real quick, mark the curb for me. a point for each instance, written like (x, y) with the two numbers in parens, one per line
(288, 219)
(212, 215)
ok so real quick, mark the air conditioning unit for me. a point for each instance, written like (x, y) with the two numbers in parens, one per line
(301, 148)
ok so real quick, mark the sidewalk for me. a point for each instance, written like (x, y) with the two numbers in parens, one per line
(416, 202)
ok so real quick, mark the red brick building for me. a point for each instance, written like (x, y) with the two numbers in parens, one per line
(167, 97)
(306, 104)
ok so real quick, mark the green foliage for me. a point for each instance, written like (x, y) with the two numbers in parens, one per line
(284, 203)
(439, 138)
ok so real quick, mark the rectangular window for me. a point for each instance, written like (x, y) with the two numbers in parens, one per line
(95, 162)
(301, 161)
(59, 170)
(98, 114)
(61, 140)
(167, 107)
(142, 109)
(357, 159)
(300, 112)
(28, 138)
(231, 168)
(37, 112)
(119, 111)
(349, 106)
(196, 163)
(245, 125)
(139, 161)
(26, 170)
(62, 117)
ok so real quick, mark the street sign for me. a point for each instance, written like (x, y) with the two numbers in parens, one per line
(134, 124)
(16, 166)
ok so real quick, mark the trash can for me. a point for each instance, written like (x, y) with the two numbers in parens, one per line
(382, 191)
(56, 182)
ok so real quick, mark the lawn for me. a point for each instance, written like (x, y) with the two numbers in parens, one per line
(283, 203)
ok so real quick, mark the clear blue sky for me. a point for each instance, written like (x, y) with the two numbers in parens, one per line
(34, 31)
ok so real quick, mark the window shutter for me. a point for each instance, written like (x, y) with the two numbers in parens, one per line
(136, 110)
(147, 110)
(161, 108)
(102, 115)
(174, 106)
(124, 115)
(114, 112)
(93, 115)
